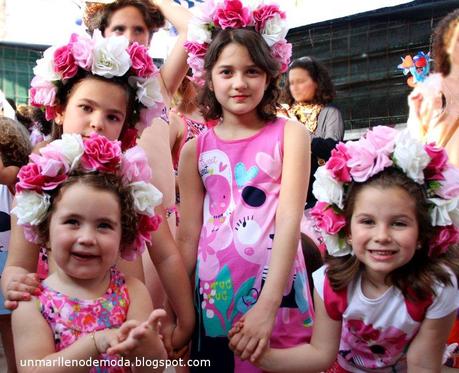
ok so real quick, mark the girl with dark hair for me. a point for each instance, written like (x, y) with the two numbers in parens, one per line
(239, 229)
(387, 296)
(434, 104)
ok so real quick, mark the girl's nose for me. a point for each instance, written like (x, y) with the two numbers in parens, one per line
(382, 234)
(239, 82)
(97, 123)
(87, 236)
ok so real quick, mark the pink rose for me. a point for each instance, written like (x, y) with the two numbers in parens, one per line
(197, 65)
(142, 63)
(82, 47)
(129, 139)
(50, 112)
(195, 49)
(282, 52)
(232, 15)
(337, 164)
(53, 167)
(438, 163)
(364, 161)
(382, 138)
(443, 239)
(42, 92)
(450, 185)
(327, 219)
(30, 178)
(101, 154)
(264, 13)
(64, 63)
(146, 225)
(134, 166)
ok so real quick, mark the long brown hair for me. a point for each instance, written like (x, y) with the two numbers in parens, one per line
(443, 34)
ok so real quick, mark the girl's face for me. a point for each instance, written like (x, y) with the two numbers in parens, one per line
(128, 21)
(95, 106)
(302, 86)
(238, 84)
(384, 229)
(85, 232)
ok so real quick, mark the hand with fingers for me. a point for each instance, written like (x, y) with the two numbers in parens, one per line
(140, 339)
(21, 288)
(250, 336)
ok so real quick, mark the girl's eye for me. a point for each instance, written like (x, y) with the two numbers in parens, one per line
(399, 224)
(366, 221)
(86, 108)
(140, 31)
(253, 71)
(225, 72)
(114, 118)
(118, 29)
(105, 226)
(71, 222)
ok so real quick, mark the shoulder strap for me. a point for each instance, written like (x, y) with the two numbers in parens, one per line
(335, 301)
(417, 309)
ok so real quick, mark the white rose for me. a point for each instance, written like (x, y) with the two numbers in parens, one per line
(445, 212)
(253, 4)
(410, 156)
(327, 189)
(336, 246)
(148, 90)
(275, 30)
(31, 207)
(71, 146)
(110, 57)
(146, 197)
(45, 66)
(198, 32)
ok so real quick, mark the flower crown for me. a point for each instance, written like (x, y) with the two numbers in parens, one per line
(106, 57)
(47, 171)
(268, 20)
(380, 148)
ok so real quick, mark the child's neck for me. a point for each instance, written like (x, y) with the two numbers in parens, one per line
(234, 127)
(374, 285)
(86, 289)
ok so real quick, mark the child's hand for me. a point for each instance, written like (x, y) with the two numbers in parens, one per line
(21, 288)
(106, 338)
(141, 339)
(253, 337)
(236, 328)
(167, 330)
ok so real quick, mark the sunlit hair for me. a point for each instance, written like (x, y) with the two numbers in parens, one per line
(151, 15)
(417, 278)
(325, 92)
(100, 181)
(261, 56)
(442, 35)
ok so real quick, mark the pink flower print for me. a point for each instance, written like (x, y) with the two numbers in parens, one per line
(209, 265)
(370, 347)
(208, 296)
(219, 191)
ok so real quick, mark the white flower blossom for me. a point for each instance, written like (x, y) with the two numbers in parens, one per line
(198, 32)
(31, 207)
(327, 189)
(110, 56)
(45, 66)
(275, 30)
(70, 145)
(148, 90)
(410, 156)
(146, 197)
(335, 245)
(445, 211)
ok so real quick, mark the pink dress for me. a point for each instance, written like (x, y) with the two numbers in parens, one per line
(72, 318)
(242, 180)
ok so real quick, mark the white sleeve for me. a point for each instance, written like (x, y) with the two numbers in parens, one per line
(446, 300)
(319, 278)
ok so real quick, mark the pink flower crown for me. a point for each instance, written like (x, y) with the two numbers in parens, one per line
(268, 20)
(47, 171)
(380, 148)
(107, 57)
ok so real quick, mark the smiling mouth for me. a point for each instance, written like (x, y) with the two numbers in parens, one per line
(382, 252)
(83, 256)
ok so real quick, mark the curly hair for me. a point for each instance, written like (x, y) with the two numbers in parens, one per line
(416, 279)
(64, 91)
(15, 145)
(442, 35)
(152, 16)
(261, 56)
(100, 181)
(325, 92)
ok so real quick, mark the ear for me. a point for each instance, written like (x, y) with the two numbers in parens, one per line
(59, 119)
(211, 85)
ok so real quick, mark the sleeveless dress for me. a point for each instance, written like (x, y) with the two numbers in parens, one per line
(242, 184)
(72, 318)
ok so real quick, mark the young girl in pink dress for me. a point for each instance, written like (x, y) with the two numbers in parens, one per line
(242, 195)
(90, 204)
(387, 296)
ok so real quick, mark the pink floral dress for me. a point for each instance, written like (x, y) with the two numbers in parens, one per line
(71, 318)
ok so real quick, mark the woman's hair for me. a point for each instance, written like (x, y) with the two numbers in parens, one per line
(441, 39)
(15, 145)
(30, 115)
(106, 182)
(325, 92)
(151, 14)
(417, 278)
(186, 96)
(261, 56)
(65, 90)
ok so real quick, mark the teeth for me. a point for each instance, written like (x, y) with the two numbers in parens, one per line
(382, 252)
